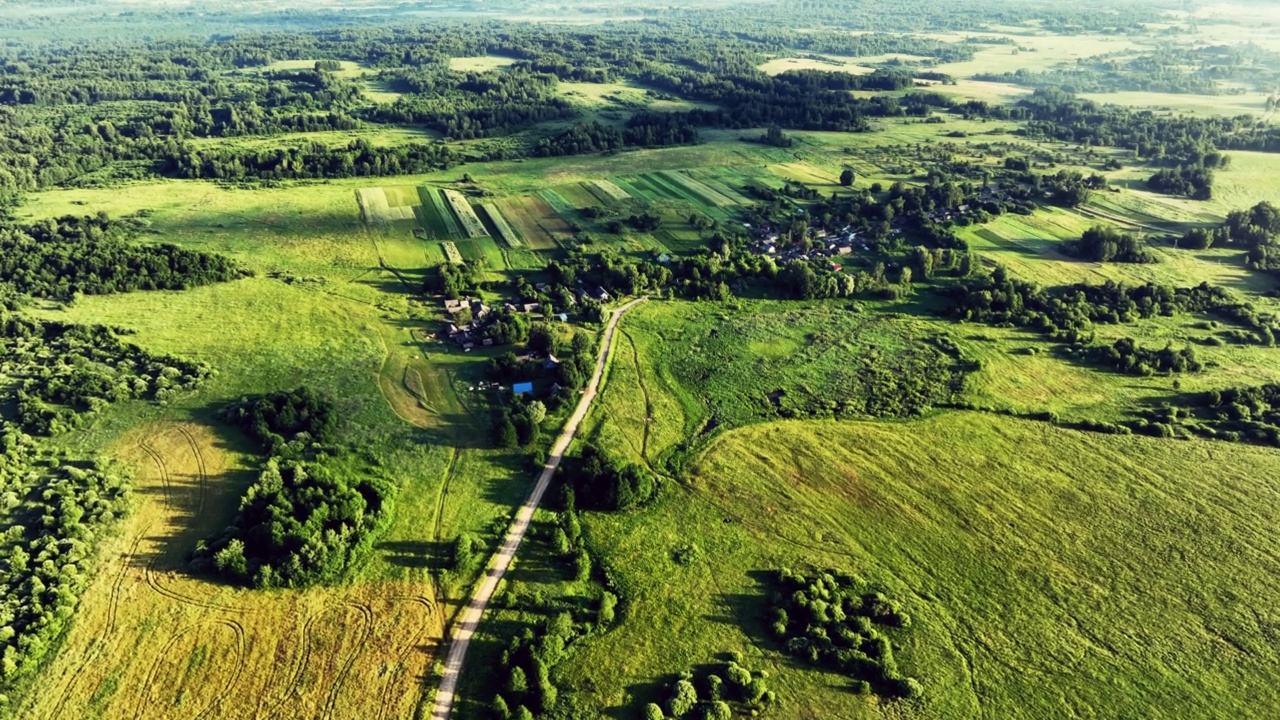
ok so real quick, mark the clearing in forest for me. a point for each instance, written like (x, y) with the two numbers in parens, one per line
(152, 642)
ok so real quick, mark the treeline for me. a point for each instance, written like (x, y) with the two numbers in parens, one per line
(838, 621)
(1067, 314)
(525, 681)
(63, 373)
(92, 255)
(1256, 230)
(358, 158)
(306, 518)
(53, 508)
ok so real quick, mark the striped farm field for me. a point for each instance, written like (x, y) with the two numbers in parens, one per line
(578, 195)
(435, 217)
(504, 230)
(613, 191)
(536, 221)
(557, 201)
(654, 189)
(483, 250)
(466, 215)
(451, 252)
(699, 189)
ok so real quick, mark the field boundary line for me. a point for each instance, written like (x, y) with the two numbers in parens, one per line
(501, 562)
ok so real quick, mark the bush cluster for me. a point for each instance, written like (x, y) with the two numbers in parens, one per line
(602, 483)
(91, 255)
(716, 694)
(67, 372)
(838, 621)
(302, 522)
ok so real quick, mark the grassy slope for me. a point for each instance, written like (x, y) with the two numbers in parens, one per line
(1051, 573)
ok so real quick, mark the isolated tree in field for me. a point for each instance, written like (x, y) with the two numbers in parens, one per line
(846, 177)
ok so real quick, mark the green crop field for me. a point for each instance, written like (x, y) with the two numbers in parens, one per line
(500, 226)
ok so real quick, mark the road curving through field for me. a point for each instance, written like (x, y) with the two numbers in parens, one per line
(502, 560)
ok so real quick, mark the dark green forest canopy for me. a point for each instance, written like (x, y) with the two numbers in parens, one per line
(93, 255)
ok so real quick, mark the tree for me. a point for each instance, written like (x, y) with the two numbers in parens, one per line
(605, 615)
(517, 681)
(537, 412)
(498, 708)
(846, 177)
(542, 339)
(682, 699)
(653, 712)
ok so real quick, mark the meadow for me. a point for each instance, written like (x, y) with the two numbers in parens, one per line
(1033, 560)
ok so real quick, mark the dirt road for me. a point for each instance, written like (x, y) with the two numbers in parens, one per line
(500, 562)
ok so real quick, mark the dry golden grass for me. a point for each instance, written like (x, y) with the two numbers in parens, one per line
(153, 642)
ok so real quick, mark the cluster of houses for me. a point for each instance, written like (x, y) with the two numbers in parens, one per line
(826, 244)
(466, 322)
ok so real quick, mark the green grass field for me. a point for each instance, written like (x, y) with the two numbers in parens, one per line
(1050, 573)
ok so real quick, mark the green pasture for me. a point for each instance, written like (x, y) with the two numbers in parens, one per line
(1049, 573)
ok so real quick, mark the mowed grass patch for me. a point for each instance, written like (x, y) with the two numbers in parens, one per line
(777, 66)
(1021, 551)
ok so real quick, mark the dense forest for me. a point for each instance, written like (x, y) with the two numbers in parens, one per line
(93, 255)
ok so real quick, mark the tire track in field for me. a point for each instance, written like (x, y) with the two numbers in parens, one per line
(218, 699)
(331, 702)
(95, 650)
(149, 571)
(295, 679)
(202, 474)
(166, 656)
(648, 404)
(402, 661)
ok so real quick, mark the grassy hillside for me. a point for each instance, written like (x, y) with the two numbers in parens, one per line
(1050, 573)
